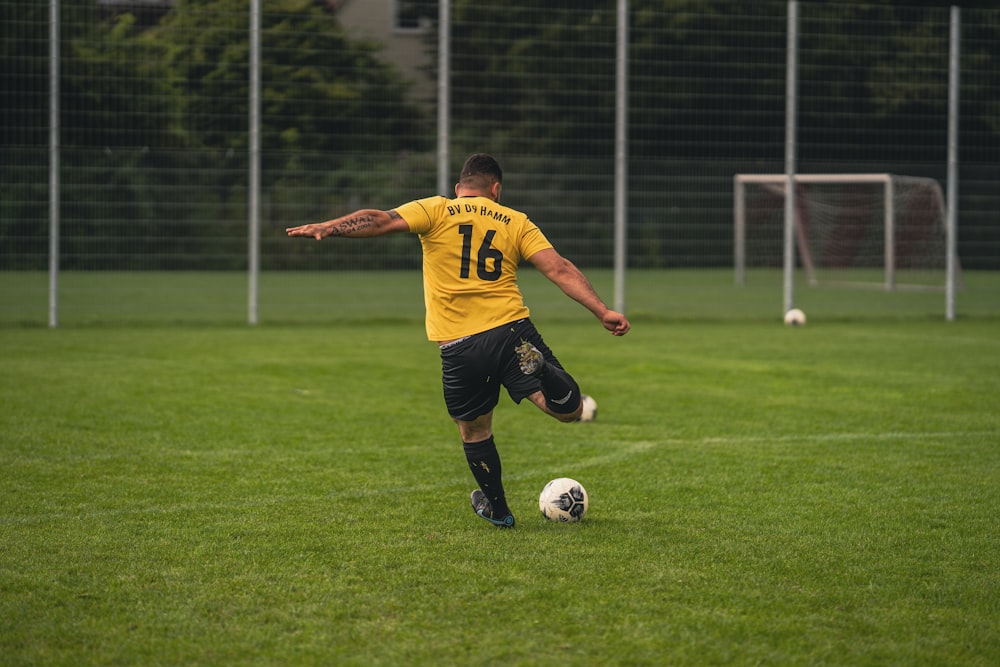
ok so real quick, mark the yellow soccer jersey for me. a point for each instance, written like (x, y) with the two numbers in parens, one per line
(472, 247)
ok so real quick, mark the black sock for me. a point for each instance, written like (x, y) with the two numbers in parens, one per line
(562, 393)
(484, 461)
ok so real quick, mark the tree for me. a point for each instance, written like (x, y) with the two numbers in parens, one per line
(538, 78)
(23, 135)
(156, 120)
(322, 91)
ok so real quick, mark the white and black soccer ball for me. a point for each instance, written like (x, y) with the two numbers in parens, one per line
(795, 318)
(564, 500)
(589, 413)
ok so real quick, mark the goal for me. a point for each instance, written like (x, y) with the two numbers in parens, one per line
(864, 230)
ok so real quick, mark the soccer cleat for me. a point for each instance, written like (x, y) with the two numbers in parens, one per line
(529, 358)
(482, 506)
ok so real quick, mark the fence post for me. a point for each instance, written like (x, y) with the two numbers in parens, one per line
(791, 109)
(621, 155)
(54, 195)
(253, 187)
(444, 96)
(954, 69)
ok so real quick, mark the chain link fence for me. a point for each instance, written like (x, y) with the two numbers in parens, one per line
(154, 105)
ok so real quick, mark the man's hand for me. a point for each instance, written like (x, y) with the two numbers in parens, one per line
(318, 231)
(616, 323)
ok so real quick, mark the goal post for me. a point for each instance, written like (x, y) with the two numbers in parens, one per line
(863, 230)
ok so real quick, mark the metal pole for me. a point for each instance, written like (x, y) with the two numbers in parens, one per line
(889, 194)
(444, 96)
(621, 155)
(253, 186)
(951, 240)
(739, 230)
(54, 194)
(791, 94)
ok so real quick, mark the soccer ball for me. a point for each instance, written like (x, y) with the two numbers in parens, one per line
(564, 500)
(795, 318)
(589, 413)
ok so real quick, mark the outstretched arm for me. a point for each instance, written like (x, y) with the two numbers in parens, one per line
(571, 280)
(363, 223)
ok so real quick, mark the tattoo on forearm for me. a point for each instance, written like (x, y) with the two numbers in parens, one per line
(352, 224)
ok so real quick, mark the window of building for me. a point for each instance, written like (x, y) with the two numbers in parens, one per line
(414, 15)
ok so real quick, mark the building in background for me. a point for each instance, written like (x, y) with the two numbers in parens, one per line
(401, 25)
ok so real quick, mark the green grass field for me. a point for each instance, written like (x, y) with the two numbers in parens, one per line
(137, 298)
(181, 489)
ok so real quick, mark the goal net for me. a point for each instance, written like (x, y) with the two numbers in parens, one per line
(863, 230)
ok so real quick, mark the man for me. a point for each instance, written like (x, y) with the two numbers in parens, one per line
(472, 246)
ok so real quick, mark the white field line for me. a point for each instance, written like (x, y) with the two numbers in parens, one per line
(462, 481)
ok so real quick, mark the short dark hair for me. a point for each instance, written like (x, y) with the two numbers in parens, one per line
(481, 170)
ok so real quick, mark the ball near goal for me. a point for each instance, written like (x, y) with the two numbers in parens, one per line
(795, 318)
(563, 500)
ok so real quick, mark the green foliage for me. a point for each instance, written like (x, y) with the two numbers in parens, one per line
(542, 63)
(296, 495)
(115, 91)
(155, 117)
(690, 62)
(154, 127)
(321, 90)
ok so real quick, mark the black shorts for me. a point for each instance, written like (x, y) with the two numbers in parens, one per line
(474, 368)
